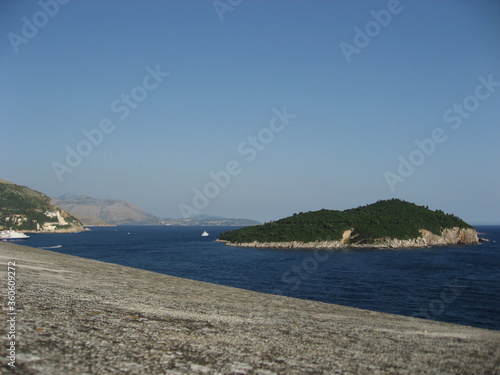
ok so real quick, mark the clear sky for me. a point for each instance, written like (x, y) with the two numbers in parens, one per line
(302, 104)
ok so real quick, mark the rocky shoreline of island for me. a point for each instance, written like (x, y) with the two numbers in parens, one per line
(448, 237)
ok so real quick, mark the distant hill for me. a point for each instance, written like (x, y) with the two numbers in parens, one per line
(206, 220)
(24, 209)
(113, 211)
(93, 211)
(389, 223)
(93, 221)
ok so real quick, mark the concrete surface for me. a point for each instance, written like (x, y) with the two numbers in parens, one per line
(79, 316)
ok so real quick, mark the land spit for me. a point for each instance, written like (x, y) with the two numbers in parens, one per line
(80, 316)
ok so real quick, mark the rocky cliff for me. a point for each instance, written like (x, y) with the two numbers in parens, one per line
(449, 236)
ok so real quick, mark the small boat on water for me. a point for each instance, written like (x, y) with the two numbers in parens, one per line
(12, 235)
(204, 234)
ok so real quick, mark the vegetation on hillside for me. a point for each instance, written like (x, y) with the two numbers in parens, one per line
(385, 219)
(23, 208)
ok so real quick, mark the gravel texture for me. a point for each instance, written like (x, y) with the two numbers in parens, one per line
(79, 316)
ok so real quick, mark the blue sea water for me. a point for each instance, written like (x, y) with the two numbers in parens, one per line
(452, 284)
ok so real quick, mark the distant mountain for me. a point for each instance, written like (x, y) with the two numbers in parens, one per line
(93, 211)
(210, 221)
(92, 221)
(22, 208)
(203, 217)
(113, 211)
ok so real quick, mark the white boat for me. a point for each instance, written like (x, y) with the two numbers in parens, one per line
(12, 235)
(204, 234)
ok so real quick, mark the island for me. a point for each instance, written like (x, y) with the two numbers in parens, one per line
(386, 224)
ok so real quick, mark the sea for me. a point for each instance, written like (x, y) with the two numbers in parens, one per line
(456, 284)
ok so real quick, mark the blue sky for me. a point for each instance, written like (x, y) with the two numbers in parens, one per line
(361, 84)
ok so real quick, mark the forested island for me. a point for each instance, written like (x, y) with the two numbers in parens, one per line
(390, 223)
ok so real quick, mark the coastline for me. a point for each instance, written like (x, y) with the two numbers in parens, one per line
(452, 236)
(99, 225)
(65, 230)
(86, 316)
